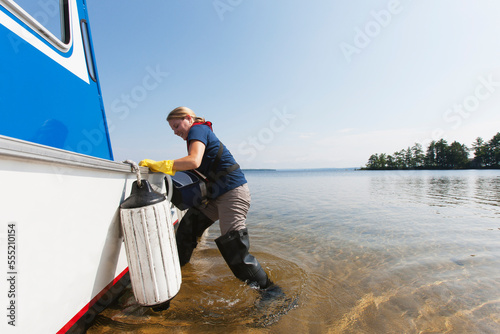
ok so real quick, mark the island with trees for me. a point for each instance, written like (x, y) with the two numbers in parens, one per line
(441, 155)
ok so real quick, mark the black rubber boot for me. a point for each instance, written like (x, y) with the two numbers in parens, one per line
(234, 248)
(190, 229)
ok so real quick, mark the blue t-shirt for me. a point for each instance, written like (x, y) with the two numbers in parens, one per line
(232, 180)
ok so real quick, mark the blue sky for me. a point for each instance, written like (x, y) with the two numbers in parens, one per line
(298, 84)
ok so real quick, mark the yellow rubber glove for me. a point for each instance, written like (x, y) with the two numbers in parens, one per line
(164, 166)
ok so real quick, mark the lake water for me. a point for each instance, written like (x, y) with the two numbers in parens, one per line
(354, 252)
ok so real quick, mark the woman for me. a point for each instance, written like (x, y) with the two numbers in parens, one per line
(229, 197)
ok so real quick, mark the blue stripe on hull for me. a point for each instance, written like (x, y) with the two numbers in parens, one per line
(45, 103)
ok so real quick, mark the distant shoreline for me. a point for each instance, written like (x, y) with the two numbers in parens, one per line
(433, 168)
(360, 169)
(258, 170)
(297, 169)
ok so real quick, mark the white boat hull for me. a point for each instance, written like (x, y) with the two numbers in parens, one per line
(68, 239)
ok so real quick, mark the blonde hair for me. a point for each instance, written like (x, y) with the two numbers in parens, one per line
(182, 112)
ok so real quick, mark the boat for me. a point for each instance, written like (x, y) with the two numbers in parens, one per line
(64, 258)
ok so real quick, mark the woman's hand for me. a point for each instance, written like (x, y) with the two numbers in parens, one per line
(164, 166)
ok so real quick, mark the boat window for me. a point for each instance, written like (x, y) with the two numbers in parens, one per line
(49, 18)
(88, 50)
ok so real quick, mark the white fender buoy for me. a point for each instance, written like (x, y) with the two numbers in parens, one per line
(150, 245)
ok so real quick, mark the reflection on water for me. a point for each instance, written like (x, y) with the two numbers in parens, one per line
(210, 298)
(354, 252)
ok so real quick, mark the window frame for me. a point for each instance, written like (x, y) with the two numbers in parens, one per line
(63, 44)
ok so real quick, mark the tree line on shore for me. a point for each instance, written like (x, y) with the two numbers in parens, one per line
(441, 155)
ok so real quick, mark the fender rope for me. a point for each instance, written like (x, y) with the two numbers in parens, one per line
(135, 168)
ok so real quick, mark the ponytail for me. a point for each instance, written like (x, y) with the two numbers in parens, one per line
(182, 112)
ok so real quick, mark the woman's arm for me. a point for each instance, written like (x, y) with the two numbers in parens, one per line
(193, 159)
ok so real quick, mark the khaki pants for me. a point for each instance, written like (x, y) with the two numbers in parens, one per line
(230, 209)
